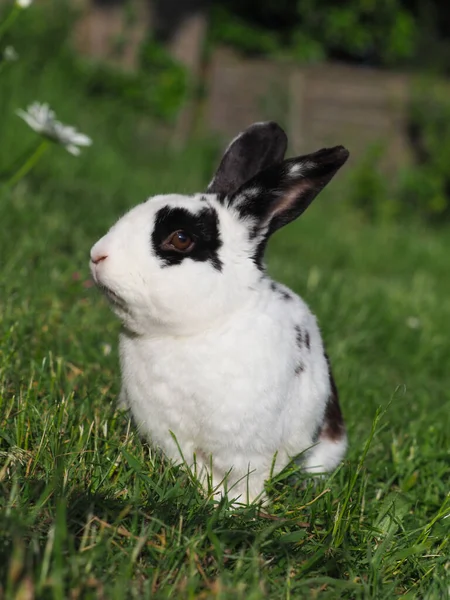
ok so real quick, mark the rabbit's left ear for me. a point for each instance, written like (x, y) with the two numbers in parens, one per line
(255, 149)
(282, 192)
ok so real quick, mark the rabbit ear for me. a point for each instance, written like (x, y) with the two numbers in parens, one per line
(281, 193)
(258, 147)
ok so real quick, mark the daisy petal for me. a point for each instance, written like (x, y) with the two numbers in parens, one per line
(30, 120)
(81, 139)
(74, 150)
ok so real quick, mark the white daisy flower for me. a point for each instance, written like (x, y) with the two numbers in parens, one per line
(42, 119)
(9, 54)
(23, 3)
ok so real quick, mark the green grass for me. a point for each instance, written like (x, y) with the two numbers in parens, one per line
(88, 511)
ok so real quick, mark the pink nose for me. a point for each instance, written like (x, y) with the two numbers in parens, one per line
(99, 258)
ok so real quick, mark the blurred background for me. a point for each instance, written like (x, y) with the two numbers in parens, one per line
(161, 87)
(161, 73)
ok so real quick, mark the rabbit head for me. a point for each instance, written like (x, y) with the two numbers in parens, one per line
(179, 263)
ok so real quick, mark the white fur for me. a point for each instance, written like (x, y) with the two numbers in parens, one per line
(296, 169)
(209, 357)
(326, 455)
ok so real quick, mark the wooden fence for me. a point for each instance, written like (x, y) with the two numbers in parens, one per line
(319, 106)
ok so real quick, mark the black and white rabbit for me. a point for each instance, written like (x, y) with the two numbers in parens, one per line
(213, 352)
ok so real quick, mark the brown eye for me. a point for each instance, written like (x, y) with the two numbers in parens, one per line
(180, 240)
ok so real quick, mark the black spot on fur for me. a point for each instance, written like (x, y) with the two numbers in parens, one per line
(299, 336)
(258, 255)
(299, 368)
(202, 227)
(333, 427)
(285, 295)
(253, 231)
(299, 341)
(307, 341)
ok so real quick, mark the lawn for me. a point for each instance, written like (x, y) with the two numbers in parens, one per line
(88, 511)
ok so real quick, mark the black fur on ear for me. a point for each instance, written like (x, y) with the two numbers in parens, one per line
(281, 193)
(255, 149)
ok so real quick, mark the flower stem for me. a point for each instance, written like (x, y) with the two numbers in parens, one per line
(17, 161)
(12, 16)
(29, 164)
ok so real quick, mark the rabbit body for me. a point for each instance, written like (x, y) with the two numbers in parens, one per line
(221, 366)
(235, 395)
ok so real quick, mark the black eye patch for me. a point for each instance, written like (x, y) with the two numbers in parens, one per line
(202, 227)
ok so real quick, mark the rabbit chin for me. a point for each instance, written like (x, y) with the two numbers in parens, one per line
(137, 320)
(157, 313)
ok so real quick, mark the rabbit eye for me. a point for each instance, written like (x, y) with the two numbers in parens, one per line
(179, 240)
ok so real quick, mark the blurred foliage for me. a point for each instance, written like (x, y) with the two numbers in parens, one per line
(426, 187)
(421, 190)
(367, 188)
(157, 88)
(372, 32)
(249, 38)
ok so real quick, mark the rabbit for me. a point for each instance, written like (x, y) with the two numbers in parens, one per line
(223, 368)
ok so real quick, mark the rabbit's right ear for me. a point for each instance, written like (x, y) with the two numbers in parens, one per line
(255, 149)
